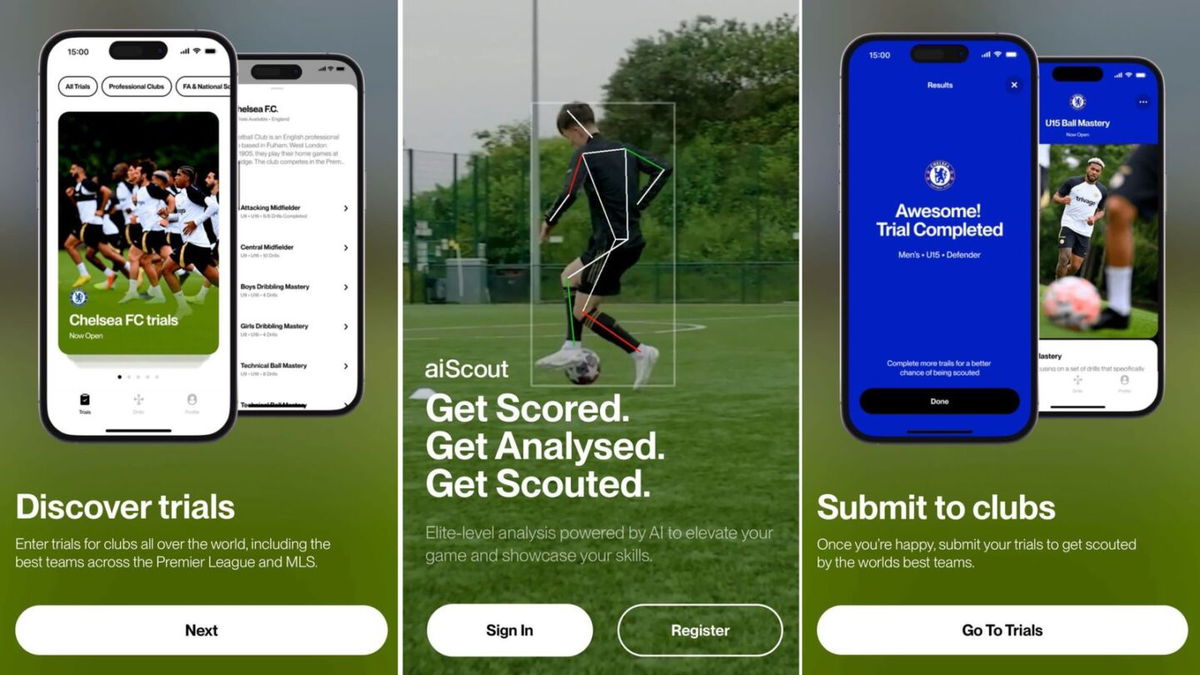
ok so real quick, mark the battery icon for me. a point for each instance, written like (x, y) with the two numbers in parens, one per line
(1010, 55)
(210, 50)
(1139, 74)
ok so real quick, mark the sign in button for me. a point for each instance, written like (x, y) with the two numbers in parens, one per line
(509, 630)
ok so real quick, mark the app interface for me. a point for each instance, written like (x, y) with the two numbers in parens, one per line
(298, 325)
(134, 154)
(938, 241)
(1101, 237)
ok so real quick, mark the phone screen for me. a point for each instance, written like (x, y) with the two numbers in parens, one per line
(136, 132)
(1102, 190)
(938, 247)
(300, 292)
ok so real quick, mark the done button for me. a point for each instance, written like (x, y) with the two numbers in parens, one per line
(683, 630)
(952, 400)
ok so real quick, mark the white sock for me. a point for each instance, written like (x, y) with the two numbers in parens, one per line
(108, 273)
(156, 291)
(570, 344)
(82, 270)
(179, 297)
(1119, 290)
(127, 266)
(202, 292)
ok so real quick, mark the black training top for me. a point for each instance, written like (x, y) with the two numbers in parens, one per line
(610, 172)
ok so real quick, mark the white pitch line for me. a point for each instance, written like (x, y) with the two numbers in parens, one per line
(580, 125)
(598, 198)
(556, 323)
(660, 175)
(678, 328)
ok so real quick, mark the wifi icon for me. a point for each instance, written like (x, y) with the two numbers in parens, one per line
(996, 53)
(195, 50)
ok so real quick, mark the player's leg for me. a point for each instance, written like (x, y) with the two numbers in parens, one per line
(72, 247)
(135, 270)
(170, 267)
(569, 352)
(1119, 272)
(1064, 254)
(1076, 264)
(605, 281)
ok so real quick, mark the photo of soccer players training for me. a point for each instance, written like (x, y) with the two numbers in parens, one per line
(1100, 240)
(139, 222)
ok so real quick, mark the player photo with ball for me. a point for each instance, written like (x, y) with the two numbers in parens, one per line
(1099, 203)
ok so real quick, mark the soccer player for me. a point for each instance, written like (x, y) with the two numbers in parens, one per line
(1083, 199)
(114, 223)
(1136, 187)
(609, 172)
(145, 231)
(195, 253)
(212, 227)
(91, 200)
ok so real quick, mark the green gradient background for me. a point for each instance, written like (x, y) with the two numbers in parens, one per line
(333, 477)
(1110, 478)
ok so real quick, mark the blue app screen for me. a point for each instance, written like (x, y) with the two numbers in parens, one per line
(938, 240)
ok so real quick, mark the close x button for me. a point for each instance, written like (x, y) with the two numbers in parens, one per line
(957, 400)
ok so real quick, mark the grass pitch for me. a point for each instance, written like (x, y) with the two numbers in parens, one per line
(728, 430)
(195, 334)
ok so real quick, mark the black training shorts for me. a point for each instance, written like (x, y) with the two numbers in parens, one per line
(1079, 244)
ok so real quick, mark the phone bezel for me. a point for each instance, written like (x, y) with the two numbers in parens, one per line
(1160, 336)
(230, 227)
(844, 197)
(259, 57)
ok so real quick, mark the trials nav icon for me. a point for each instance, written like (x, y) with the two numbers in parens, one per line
(939, 175)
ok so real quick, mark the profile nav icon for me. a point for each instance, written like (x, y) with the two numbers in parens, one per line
(939, 175)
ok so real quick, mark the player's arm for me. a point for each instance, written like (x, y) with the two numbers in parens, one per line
(1063, 195)
(1099, 214)
(170, 208)
(571, 187)
(105, 196)
(657, 169)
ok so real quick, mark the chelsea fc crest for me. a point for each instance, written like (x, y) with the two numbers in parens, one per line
(78, 297)
(1078, 101)
(939, 175)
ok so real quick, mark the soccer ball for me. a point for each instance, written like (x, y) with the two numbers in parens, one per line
(586, 370)
(1072, 303)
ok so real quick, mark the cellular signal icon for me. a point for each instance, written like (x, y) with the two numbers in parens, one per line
(1118, 76)
(987, 55)
(322, 69)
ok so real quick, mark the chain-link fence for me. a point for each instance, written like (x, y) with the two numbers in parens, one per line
(724, 231)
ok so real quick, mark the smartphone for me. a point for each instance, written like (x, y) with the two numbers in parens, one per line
(133, 127)
(300, 297)
(938, 213)
(1103, 192)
